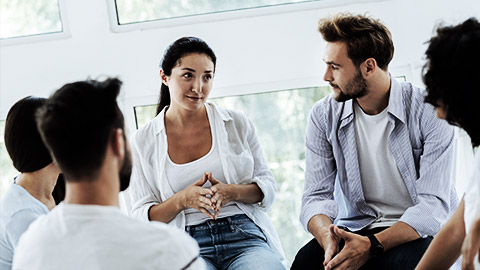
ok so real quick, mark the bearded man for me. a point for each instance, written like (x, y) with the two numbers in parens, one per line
(378, 183)
(83, 128)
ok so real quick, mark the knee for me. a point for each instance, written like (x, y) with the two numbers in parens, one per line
(408, 255)
(310, 256)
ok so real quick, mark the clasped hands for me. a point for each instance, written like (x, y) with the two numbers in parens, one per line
(205, 199)
(354, 254)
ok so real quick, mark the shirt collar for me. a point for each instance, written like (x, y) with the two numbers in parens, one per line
(159, 120)
(395, 102)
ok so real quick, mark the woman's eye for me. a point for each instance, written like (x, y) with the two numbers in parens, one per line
(208, 77)
(187, 75)
(334, 67)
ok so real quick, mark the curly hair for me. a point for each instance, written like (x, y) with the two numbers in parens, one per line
(365, 37)
(451, 75)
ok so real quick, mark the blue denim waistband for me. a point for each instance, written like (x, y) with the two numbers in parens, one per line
(226, 221)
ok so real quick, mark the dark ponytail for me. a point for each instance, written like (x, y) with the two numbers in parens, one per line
(164, 99)
(178, 49)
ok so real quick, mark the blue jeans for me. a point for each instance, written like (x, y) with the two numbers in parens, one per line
(234, 242)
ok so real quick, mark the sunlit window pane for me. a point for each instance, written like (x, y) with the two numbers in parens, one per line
(280, 120)
(26, 17)
(131, 11)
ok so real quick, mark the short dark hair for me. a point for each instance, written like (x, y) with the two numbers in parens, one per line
(365, 37)
(178, 49)
(22, 140)
(76, 123)
(451, 75)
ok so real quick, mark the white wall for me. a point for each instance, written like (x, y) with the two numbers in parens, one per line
(255, 54)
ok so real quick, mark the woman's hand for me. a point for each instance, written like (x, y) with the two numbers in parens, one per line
(471, 246)
(223, 193)
(195, 196)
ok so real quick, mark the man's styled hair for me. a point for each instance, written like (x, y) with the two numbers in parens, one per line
(77, 122)
(22, 140)
(451, 75)
(364, 37)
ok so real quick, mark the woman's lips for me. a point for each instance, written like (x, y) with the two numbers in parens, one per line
(194, 98)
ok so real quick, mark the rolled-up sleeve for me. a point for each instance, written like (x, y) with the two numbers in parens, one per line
(141, 194)
(262, 176)
(434, 199)
(320, 170)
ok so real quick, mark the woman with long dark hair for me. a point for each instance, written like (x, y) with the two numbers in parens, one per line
(201, 168)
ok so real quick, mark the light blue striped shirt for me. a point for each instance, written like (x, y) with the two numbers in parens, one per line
(421, 145)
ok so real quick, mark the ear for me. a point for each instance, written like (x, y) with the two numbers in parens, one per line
(163, 77)
(369, 67)
(118, 143)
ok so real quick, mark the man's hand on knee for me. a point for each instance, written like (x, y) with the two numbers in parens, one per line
(354, 254)
(330, 244)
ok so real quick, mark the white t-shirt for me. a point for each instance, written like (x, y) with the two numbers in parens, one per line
(472, 200)
(92, 237)
(383, 187)
(180, 176)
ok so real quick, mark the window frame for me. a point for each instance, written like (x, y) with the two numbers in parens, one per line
(48, 36)
(116, 27)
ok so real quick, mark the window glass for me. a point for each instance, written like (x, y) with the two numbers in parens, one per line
(280, 120)
(6, 166)
(24, 18)
(132, 11)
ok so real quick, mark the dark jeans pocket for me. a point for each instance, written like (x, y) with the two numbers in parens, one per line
(250, 230)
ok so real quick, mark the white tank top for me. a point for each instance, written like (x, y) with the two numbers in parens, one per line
(180, 176)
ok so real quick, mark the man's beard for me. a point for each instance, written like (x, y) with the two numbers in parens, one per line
(356, 88)
(126, 169)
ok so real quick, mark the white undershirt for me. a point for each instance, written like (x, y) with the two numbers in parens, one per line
(181, 176)
(472, 201)
(383, 187)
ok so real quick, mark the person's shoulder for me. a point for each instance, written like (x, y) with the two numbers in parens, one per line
(239, 119)
(149, 129)
(10, 203)
(143, 137)
(413, 94)
(167, 242)
(47, 221)
(30, 252)
(37, 232)
(228, 113)
(19, 203)
(160, 230)
(413, 98)
(176, 243)
(325, 107)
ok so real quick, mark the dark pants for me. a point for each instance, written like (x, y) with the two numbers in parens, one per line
(403, 257)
